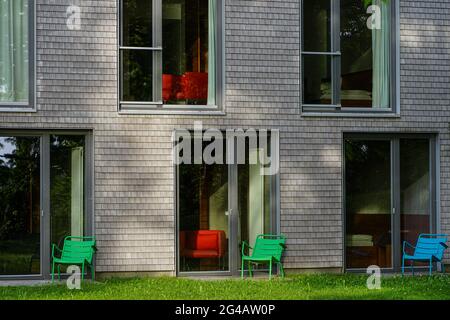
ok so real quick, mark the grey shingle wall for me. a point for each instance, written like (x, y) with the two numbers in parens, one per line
(134, 204)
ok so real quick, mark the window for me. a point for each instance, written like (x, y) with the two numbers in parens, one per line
(169, 51)
(16, 54)
(348, 55)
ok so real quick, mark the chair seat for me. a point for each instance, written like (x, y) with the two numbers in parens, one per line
(258, 258)
(420, 257)
(68, 260)
(191, 253)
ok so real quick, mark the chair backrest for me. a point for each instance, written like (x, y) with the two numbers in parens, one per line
(78, 248)
(203, 240)
(269, 245)
(194, 85)
(429, 245)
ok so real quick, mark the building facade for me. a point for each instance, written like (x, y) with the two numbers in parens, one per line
(356, 94)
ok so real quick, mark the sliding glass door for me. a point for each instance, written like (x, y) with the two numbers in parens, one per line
(203, 216)
(389, 196)
(368, 203)
(415, 189)
(220, 204)
(67, 201)
(43, 190)
(20, 209)
(254, 199)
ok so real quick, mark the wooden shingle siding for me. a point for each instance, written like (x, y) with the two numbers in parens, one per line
(134, 176)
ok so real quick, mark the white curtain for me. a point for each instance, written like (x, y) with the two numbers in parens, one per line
(13, 50)
(212, 22)
(381, 57)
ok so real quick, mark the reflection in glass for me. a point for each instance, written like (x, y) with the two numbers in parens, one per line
(66, 187)
(317, 84)
(203, 219)
(188, 33)
(317, 25)
(14, 60)
(136, 71)
(414, 189)
(368, 203)
(365, 60)
(254, 198)
(137, 23)
(20, 205)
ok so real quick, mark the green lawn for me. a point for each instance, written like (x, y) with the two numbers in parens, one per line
(303, 287)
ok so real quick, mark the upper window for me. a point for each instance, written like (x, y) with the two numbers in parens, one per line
(168, 54)
(348, 55)
(15, 54)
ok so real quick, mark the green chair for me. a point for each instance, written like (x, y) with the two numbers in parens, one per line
(268, 249)
(76, 251)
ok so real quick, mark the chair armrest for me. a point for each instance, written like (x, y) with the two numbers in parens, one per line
(222, 243)
(54, 246)
(407, 244)
(444, 245)
(245, 243)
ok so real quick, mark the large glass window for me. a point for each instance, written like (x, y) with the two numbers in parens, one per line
(347, 55)
(168, 54)
(14, 52)
(189, 51)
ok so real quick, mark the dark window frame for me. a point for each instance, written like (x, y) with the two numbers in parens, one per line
(157, 106)
(335, 108)
(30, 105)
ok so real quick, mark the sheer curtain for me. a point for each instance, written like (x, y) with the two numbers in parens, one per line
(381, 57)
(13, 50)
(212, 22)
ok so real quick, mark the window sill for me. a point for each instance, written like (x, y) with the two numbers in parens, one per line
(17, 108)
(350, 115)
(313, 111)
(158, 109)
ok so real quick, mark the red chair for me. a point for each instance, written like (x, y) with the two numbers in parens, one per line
(200, 244)
(170, 86)
(193, 86)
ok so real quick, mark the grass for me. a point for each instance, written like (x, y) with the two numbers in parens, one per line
(297, 287)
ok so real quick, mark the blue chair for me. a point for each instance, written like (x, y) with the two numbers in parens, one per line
(429, 248)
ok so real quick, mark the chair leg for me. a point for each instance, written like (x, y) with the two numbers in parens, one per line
(59, 272)
(431, 266)
(82, 272)
(403, 266)
(53, 271)
(250, 269)
(242, 269)
(442, 267)
(281, 269)
(270, 269)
